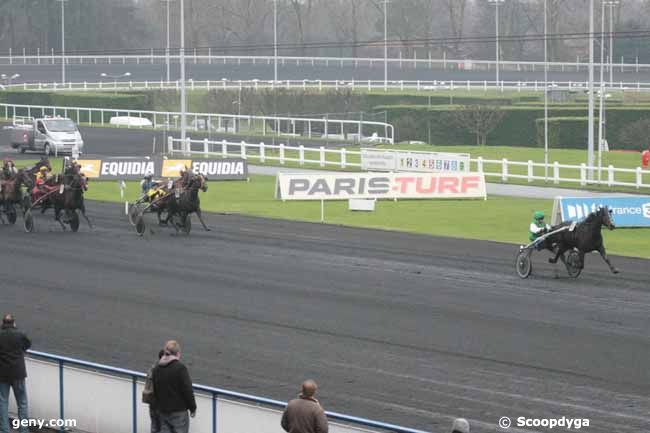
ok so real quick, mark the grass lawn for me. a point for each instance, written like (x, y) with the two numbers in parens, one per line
(499, 218)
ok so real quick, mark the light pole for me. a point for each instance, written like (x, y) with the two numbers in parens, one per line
(611, 4)
(496, 20)
(115, 77)
(275, 41)
(545, 97)
(9, 78)
(385, 45)
(183, 89)
(590, 121)
(601, 107)
(62, 40)
(167, 46)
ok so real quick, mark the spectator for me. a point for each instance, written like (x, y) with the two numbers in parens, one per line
(305, 414)
(460, 425)
(173, 391)
(149, 397)
(13, 345)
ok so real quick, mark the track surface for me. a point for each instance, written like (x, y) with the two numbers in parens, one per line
(406, 329)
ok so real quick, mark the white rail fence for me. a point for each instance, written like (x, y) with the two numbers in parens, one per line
(97, 398)
(369, 85)
(22, 57)
(313, 128)
(342, 158)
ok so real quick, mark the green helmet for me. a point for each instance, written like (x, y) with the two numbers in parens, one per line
(539, 215)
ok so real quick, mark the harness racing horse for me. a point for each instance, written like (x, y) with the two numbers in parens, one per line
(65, 196)
(11, 194)
(180, 202)
(585, 237)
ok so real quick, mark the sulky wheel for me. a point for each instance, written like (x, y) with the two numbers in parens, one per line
(134, 211)
(29, 221)
(573, 263)
(140, 225)
(523, 263)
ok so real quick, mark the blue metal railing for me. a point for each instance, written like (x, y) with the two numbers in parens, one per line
(137, 376)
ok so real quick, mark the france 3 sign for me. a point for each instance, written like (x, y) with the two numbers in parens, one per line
(344, 186)
(396, 160)
(137, 168)
(632, 211)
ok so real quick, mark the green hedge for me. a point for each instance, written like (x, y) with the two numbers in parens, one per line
(564, 132)
(136, 101)
(517, 128)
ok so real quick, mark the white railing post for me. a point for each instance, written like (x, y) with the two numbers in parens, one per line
(282, 153)
(242, 149)
(206, 146)
(188, 145)
(343, 159)
(530, 171)
(262, 152)
(301, 155)
(610, 175)
(638, 178)
(556, 172)
(170, 145)
(583, 174)
(224, 148)
(504, 170)
(322, 156)
(479, 164)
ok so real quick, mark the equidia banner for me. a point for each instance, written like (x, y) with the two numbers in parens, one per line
(396, 160)
(633, 211)
(343, 186)
(137, 168)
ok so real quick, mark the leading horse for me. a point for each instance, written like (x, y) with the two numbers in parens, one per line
(183, 201)
(585, 237)
(11, 194)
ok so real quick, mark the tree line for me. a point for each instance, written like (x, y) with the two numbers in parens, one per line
(453, 28)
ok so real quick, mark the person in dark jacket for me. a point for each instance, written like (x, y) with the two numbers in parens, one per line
(13, 345)
(173, 391)
(153, 413)
(305, 414)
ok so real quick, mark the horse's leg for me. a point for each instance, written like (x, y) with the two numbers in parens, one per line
(603, 254)
(198, 214)
(82, 208)
(561, 249)
(57, 216)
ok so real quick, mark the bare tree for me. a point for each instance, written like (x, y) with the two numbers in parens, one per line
(478, 119)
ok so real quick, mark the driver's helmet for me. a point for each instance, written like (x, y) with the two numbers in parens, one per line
(43, 169)
(539, 215)
(148, 177)
(7, 161)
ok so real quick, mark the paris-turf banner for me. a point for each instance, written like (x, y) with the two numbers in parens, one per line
(343, 186)
(125, 168)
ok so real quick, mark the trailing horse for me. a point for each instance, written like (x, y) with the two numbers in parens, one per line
(585, 237)
(11, 194)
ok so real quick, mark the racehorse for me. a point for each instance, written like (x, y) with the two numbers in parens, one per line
(182, 201)
(69, 198)
(11, 194)
(585, 237)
